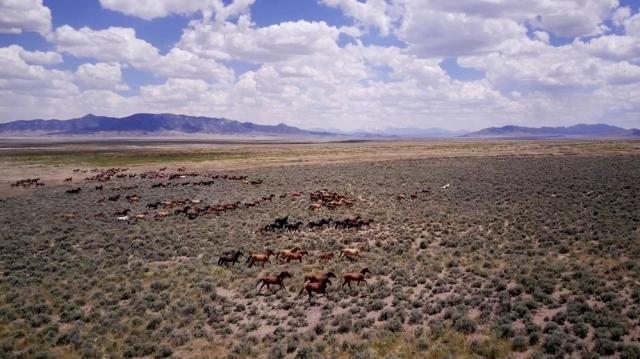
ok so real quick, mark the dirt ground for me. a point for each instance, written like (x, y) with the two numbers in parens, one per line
(54, 160)
(475, 249)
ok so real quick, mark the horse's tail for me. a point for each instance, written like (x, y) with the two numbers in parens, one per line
(259, 281)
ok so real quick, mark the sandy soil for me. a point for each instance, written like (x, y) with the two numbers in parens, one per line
(54, 160)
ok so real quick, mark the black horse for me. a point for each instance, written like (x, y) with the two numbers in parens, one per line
(229, 257)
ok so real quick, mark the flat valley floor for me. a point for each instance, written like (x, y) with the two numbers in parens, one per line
(493, 249)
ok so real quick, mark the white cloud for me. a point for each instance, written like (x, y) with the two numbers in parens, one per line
(179, 63)
(114, 44)
(371, 13)
(101, 76)
(24, 15)
(40, 57)
(432, 33)
(567, 18)
(266, 44)
(632, 26)
(151, 9)
(303, 75)
(20, 77)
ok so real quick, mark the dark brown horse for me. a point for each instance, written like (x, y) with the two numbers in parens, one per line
(318, 277)
(260, 257)
(271, 280)
(355, 277)
(326, 256)
(315, 287)
(231, 257)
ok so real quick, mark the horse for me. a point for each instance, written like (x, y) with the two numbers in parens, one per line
(260, 257)
(281, 222)
(153, 205)
(271, 280)
(317, 287)
(318, 277)
(350, 253)
(315, 206)
(295, 256)
(286, 252)
(326, 256)
(74, 191)
(162, 214)
(355, 277)
(294, 227)
(123, 212)
(231, 257)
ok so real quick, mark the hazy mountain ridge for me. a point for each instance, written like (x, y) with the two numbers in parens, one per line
(146, 123)
(171, 124)
(580, 130)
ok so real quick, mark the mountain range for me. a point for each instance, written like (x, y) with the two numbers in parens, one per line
(149, 124)
(576, 131)
(169, 124)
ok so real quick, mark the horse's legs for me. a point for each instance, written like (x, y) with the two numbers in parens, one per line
(365, 282)
(262, 286)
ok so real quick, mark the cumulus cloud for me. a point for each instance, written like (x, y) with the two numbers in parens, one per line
(19, 77)
(303, 73)
(566, 18)
(39, 57)
(101, 76)
(151, 9)
(24, 15)
(368, 14)
(113, 44)
(243, 41)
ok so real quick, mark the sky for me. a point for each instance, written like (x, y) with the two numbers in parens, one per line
(332, 64)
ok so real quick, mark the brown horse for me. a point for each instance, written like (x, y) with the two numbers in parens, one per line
(318, 277)
(285, 252)
(317, 287)
(355, 277)
(271, 280)
(295, 256)
(326, 256)
(260, 257)
(350, 253)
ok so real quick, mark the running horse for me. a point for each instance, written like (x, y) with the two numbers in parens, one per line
(260, 257)
(230, 257)
(271, 280)
(318, 277)
(355, 277)
(316, 287)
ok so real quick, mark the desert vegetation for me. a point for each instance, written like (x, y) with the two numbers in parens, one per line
(524, 256)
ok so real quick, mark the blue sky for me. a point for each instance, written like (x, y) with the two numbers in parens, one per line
(349, 64)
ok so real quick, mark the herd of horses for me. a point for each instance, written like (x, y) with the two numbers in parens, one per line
(282, 224)
(316, 282)
(27, 182)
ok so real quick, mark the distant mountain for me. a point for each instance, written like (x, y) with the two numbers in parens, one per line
(403, 132)
(146, 123)
(577, 131)
(414, 132)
